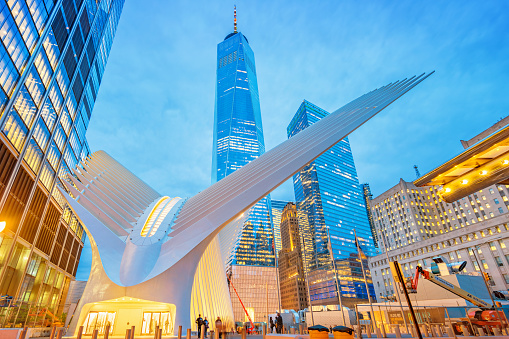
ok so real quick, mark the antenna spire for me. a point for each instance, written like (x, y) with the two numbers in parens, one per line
(234, 19)
(417, 173)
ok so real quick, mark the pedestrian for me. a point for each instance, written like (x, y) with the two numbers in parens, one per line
(279, 323)
(206, 323)
(271, 322)
(199, 321)
(219, 326)
(330, 329)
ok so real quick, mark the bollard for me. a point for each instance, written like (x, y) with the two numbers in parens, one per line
(180, 332)
(80, 332)
(434, 331)
(156, 332)
(107, 332)
(188, 334)
(160, 333)
(60, 333)
(414, 332)
(243, 333)
(424, 330)
(53, 332)
(95, 333)
(464, 330)
(496, 331)
(438, 331)
(133, 329)
(128, 333)
(368, 331)
(202, 332)
(397, 331)
(264, 331)
(23, 333)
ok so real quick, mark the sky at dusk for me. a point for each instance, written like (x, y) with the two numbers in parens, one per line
(155, 108)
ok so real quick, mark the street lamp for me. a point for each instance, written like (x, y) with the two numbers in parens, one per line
(2, 226)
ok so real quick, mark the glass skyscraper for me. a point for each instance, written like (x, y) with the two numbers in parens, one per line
(52, 59)
(238, 139)
(328, 193)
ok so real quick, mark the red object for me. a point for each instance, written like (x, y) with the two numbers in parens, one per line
(245, 311)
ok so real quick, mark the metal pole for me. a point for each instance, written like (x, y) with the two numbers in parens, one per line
(364, 276)
(395, 288)
(402, 282)
(336, 277)
(276, 267)
(267, 300)
(307, 280)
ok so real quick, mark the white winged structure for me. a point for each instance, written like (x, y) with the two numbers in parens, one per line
(156, 259)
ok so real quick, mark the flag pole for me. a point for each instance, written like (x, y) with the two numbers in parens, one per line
(276, 267)
(365, 281)
(306, 277)
(336, 277)
(395, 286)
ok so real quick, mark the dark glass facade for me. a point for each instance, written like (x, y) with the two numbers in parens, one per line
(238, 139)
(52, 58)
(328, 193)
(366, 190)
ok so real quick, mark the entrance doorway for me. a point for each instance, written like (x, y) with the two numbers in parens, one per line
(153, 319)
(99, 320)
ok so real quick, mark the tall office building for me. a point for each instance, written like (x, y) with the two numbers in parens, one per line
(277, 210)
(238, 139)
(327, 191)
(53, 55)
(291, 268)
(366, 190)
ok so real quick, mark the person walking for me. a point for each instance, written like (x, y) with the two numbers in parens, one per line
(219, 326)
(272, 325)
(206, 323)
(199, 322)
(279, 323)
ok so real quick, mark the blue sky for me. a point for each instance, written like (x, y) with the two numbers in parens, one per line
(154, 112)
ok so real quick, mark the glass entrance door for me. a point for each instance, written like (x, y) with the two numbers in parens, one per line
(99, 320)
(153, 319)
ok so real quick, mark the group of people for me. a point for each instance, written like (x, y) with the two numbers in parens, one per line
(203, 321)
(278, 324)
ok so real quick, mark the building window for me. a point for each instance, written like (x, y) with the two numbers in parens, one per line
(496, 201)
(501, 243)
(506, 278)
(499, 261)
(500, 210)
(484, 264)
(492, 246)
(476, 265)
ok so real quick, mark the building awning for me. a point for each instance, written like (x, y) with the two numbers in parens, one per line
(481, 165)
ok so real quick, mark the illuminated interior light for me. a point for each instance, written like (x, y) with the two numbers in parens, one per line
(483, 172)
(505, 162)
(152, 217)
(447, 190)
(464, 181)
(2, 225)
